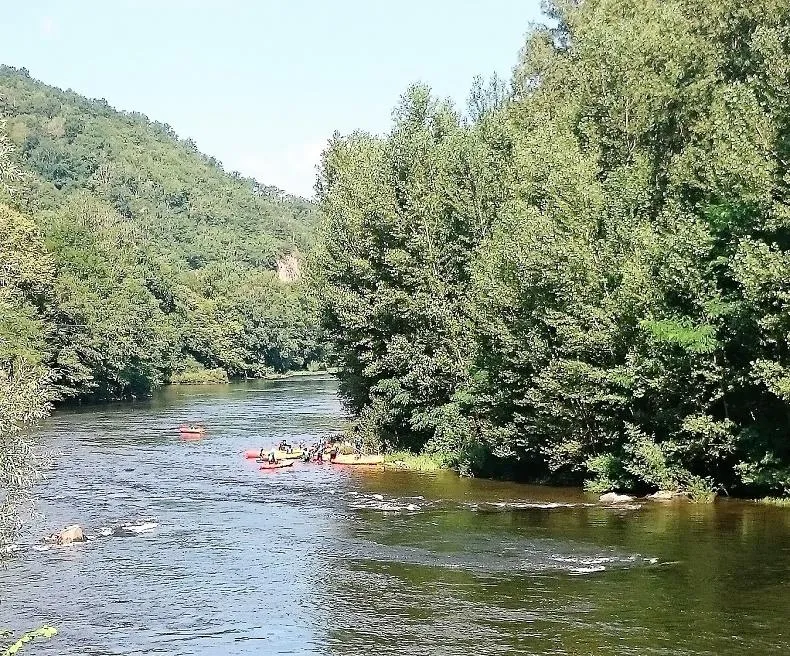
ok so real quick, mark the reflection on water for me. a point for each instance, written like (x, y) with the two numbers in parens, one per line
(195, 551)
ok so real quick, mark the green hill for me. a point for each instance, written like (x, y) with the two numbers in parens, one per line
(151, 262)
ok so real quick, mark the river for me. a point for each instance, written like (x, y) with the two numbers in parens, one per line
(198, 552)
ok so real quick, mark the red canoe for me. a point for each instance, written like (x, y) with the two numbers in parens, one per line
(277, 465)
(191, 429)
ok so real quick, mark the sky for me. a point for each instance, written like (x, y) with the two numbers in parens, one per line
(261, 85)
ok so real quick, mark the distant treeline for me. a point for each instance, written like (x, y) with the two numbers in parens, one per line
(586, 276)
(128, 258)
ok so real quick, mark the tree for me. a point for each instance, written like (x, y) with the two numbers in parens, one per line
(25, 394)
(595, 270)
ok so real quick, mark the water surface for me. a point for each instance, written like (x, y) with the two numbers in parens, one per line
(198, 552)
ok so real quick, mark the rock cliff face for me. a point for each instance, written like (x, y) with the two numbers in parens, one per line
(288, 268)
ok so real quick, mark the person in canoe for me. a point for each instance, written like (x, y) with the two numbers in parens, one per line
(268, 456)
(192, 428)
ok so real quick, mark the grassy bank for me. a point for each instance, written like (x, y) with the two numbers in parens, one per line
(301, 372)
(414, 461)
(783, 502)
(200, 377)
(220, 377)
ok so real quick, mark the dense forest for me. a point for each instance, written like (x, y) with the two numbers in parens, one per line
(137, 260)
(128, 259)
(585, 276)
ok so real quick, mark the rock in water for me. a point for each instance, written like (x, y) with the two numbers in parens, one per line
(71, 534)
(613, 497)
(665, 495)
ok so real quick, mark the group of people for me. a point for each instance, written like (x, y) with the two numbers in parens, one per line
(314, 453)
(317, 450)
(270, 455)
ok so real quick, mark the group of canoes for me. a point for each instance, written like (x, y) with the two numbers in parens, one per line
(284, 455)
(330, 451)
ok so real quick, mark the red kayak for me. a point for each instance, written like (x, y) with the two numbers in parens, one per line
(251, 454)
(192, 429)
(277, 465)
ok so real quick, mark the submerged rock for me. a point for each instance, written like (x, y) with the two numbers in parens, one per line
(613, 497)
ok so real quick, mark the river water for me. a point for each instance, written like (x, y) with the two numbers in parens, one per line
(197, 552)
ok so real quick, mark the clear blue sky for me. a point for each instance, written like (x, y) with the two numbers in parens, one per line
(262, 85)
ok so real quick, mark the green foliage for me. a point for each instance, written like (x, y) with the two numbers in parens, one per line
(766, 473)
(199, 376)
(587, 278)
(408, 460)
(697, 339)
(42, 632)
(155, 257)
(26, 275)
(608, 474)
(700, 490)
(403, 216)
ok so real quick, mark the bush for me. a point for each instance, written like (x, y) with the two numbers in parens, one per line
(201, 377)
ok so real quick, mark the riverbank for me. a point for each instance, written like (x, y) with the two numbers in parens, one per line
(424, 462)
(220, 376)
(414, 462)
(781, 502)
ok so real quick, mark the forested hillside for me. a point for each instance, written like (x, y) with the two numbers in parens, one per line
(130, 259)
(586, 277)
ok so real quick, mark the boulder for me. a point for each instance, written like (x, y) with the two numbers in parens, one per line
(68, 535)
(665, 495)
(613, 497)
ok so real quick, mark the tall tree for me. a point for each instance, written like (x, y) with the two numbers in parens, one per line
(25, 282)
(605, 252)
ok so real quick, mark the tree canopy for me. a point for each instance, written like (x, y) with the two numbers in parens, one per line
(586, 278)
(135, 258)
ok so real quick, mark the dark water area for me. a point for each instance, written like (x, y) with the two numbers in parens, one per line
(195, 551)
